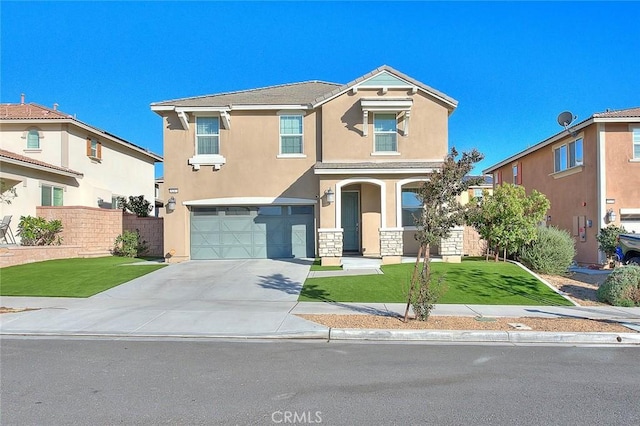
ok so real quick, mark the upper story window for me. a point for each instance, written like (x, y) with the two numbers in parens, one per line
(514, 168)
(568, 155)
(94, 148)
(291, 134)
(207, 135)
(385, 133)
(411, 206)
(33, 139)
(51, 195)
(636, 143)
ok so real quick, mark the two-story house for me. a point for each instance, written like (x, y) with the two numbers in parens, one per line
(590, 173)
(53, 159)
(301, 170)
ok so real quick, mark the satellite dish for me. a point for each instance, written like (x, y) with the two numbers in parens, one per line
(565, 118)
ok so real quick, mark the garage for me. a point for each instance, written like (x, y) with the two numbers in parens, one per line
(252, 232)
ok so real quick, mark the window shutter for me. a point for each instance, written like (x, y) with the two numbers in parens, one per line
(99, 150)
(519, 180)
(499, 177)
(88, 147)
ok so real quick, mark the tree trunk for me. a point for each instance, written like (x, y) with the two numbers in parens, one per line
(413, 282)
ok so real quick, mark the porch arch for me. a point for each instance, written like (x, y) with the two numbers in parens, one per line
(399, 186)
(350, 181)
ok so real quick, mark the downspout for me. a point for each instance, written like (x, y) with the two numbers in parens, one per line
(602, 182)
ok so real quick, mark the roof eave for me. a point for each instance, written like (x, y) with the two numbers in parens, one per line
(41, 167)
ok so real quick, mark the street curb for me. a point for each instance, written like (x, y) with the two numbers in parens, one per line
(304, 335)
(483, 336)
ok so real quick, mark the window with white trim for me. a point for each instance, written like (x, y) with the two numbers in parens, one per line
(477, 193)
(514, 168)
(385, 133)
(636, 143)
(411, 206)
(568, 155)
(291, 134)
(51, 195)
(207, 135)
(33, 139)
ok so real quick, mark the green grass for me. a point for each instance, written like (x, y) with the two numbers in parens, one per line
(315, 266)
(473, 281)
(70, 277)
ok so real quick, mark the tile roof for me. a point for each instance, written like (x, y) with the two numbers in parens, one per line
(621, 113)
(13, 156)
(30, 110)
(285, 94)
(305, 93)
(380, 166)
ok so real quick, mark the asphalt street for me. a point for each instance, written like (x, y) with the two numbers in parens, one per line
(56, 381)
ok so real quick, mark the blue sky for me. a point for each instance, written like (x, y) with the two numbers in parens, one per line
(513, 66)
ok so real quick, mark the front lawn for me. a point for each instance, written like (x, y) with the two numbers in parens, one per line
(70, 277)
(474, 281)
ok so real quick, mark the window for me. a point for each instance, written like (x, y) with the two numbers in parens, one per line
(385, 133)
(411, 206)
(51, 195)
(515, 174)
(477, 193)
(207, 135)
(33, 139)
(94, 148)
(291, 134)
(636, 143)
(568, 156)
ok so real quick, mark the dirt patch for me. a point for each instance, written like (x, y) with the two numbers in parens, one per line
(4, 310)
(579, 287)
(468, 323)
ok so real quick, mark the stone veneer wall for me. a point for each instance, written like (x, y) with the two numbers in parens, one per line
(391, 242)
(454, 245)
(329, 243)
(151, 230)
(473, 244)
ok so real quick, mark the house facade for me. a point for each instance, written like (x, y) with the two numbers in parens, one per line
(590, 173)
(301, 170)
(50, 158)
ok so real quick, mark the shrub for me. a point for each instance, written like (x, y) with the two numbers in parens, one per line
(137, 205)
(37, 231)
(622, 287)
(608, 239)
(129, 244)
(551, 253)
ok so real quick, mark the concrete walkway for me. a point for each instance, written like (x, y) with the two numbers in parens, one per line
(258, 299)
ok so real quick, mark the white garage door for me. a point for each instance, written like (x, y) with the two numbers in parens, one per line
(631, 224)
(252, 232)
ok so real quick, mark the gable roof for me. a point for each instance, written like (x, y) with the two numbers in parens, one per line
(303, 93)
(34, 113)
(13, 158)
(629, 115)
(309, 94)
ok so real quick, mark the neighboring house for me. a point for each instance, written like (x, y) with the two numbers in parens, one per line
(476, 191)
(52, 159)
(159, 201)
(590, 173)
(301, 170)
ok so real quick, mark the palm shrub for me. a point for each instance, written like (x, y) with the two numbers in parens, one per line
(130, 244)
(551, 253)
(622, 287)
(37, 231)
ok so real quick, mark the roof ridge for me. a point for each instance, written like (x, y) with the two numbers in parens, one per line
(235, 92)
(613, 111)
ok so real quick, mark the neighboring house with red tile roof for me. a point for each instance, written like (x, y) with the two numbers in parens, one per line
(301, 170)
(53, 159)
(590, 173)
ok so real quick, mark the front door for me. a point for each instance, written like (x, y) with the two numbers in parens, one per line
(350, 221)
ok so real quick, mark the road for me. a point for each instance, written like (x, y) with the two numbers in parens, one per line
(55, 381)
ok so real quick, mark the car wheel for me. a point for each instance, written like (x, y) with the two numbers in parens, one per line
(634, 261)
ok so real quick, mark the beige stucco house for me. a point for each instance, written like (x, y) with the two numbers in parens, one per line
(590, 173)
(301, 170)
(53, 159)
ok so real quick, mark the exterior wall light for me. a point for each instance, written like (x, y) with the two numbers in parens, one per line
(331, 196)
(611, 215)
(171, 204)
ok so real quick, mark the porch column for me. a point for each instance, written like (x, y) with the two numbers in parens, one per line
(451, 248)
(330, 246)
(391, 245)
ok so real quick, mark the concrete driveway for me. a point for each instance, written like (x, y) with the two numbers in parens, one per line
(202, 298)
